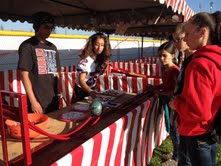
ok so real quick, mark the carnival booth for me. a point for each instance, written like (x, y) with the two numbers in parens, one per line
(124, 125)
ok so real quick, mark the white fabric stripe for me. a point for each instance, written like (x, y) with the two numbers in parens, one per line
(15, 86)
(104, 145)
(148, 69)
(110, 82)
(139, 85)
(139, 144)
(131, 67)
(65, 161)
(125, 140)
(142, 67)
(134, 135)
(129, 84)
(143, 148)
(121, 64)
(176, 5)
(157, 128)
(70, 89)
(137, 67)
(119, 127)
(63, 86)
(151, 133)
(119, 84)
(154, 66)
(14, 81)
(126, 66)
(88, 151)
(168, 3)
(101, 83)
(164, 133)
(150, 81)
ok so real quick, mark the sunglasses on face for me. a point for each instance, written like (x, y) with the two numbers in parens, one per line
(178, 39)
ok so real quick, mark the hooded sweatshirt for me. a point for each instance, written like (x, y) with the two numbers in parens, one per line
(201, 96)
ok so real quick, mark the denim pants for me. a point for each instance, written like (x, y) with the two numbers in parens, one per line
(174, 135)
(184, 159)
(201, 149)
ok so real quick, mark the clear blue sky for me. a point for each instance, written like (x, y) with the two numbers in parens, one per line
(205, 5)
(196, 5)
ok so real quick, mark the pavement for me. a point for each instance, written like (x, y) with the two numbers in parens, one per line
(170, 162)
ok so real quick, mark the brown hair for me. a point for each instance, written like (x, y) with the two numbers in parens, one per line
(169, 47)
(180, 28)
(210, 21)
(88, 49)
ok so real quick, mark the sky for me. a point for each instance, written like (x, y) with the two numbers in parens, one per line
(196, 5)
(204, 5)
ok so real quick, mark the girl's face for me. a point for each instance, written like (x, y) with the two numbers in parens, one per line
(98, 46)
(193, 36)
(166, 58)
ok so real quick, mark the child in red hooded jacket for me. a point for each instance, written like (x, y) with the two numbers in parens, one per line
(201, 95)
(170, 72)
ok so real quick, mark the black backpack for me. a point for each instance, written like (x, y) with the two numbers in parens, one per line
(216, 133)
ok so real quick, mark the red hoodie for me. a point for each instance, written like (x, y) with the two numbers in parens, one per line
(201, 95)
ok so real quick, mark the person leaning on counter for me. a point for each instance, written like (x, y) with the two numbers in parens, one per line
(94, 60)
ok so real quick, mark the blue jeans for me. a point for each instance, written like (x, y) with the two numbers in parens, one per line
(174, 135)
(201, 149)
(184, 159)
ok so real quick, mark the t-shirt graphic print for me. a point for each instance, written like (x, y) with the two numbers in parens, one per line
(46, 61)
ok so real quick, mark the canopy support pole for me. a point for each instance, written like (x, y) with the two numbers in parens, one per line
(142, 40)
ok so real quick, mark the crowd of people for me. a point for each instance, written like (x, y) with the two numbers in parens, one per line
(197, 91)
(190, 93)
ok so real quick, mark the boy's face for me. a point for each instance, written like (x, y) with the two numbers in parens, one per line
(45, 30)
(178, 38)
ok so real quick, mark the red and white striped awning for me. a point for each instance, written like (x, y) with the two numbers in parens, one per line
(179, 6)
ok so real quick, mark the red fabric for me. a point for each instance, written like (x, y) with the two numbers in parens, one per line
(201, 95)
(169, 78)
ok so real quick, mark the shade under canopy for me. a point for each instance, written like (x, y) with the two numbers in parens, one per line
(153, 18)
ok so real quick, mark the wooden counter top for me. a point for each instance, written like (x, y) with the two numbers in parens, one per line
(56, 149)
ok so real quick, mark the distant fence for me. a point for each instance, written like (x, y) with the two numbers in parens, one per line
(69, 47)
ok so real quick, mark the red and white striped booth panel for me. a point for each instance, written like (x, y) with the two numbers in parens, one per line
(128, 141)
(149, 60)
(68, 69)
(146, 60)
(67, 82)
(125, 83)
(11, 80)
(152, 70)
(142, 60)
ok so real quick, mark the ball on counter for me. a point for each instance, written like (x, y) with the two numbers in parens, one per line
(96, 108)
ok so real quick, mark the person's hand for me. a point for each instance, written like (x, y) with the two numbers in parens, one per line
(36, 108)
(171, 104)
(149, 89)
(93, 94)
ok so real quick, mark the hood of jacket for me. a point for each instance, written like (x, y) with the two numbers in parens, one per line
(211, 52)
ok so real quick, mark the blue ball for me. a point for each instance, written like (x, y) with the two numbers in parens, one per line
(96, 108)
